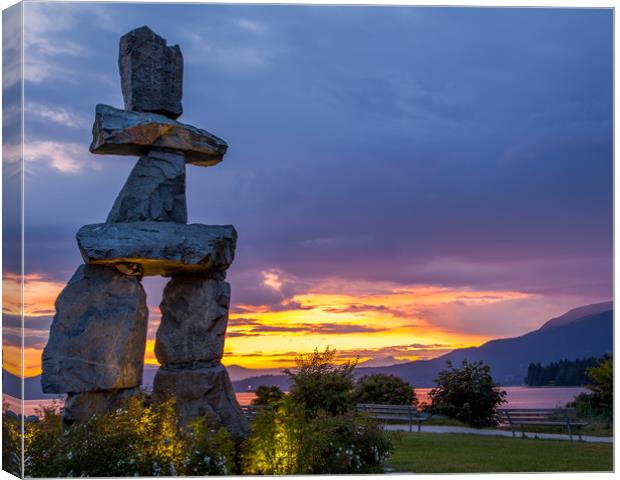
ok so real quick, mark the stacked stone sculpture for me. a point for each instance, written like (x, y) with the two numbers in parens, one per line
(97, 340)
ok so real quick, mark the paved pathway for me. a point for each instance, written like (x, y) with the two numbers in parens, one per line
(497, 433)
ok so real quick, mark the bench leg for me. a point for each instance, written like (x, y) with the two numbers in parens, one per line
(570, 434)
(522, 431)
(419, 426)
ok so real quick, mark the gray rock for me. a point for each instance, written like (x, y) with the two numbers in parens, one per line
(98, 335)
(194, 315)
(151, 73)
(154, 191)
(202, 392)
(121, 132)
(80, 407)
(159, 248)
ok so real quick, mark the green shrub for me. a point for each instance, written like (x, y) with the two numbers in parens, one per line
(287, 442)
(320, 385)
(468, 394)
(273, 447)
(602, 377)
(137, 439)
(383, 389)
(599, 403)
(11, 442)
(268, 395)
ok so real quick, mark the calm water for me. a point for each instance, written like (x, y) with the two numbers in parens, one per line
(517, 397)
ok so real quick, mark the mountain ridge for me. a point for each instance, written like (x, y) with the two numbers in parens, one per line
(570, 338)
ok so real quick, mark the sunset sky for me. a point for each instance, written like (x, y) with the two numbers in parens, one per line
(404, 181)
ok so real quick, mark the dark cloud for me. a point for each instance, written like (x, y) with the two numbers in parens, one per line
(257, 328)
(461, 147)
(362, 308)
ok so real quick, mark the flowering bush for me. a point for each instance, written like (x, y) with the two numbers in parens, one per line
(342, 444)
(136, 440)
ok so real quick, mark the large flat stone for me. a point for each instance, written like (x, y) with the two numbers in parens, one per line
(154, 191)
(122, 132)
(151, 73)
(194, 316)
(202, 392)
(159, 248)
(98, 335)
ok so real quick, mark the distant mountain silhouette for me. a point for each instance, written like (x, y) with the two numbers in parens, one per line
(577, 313)
(32, 387)
(570, 338)
(582, 332)
(250, 384)
(235, 372)
(381, 362)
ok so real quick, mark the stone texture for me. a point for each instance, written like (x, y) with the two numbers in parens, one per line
(159, 248)
(121, 132)
(202, 392)
(194, 316)
(98, 335)
(80, 407)
(151, 73)
(154, 191)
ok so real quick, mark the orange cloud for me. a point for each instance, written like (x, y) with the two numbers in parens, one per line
(360, 319)
(39, 294)
(272, 280)
(356, 316)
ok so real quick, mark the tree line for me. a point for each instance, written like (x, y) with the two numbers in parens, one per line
(561, 373)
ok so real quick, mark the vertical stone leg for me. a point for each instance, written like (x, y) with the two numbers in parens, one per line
(189, 346)
(202, 392)
(194, 316)
(97, 338)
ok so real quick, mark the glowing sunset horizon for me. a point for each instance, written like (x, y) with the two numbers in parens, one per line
(361, 320)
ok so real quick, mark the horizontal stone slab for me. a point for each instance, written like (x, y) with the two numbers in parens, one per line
(158, 248)
(124, 132)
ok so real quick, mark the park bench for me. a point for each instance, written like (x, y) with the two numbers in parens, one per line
(394, 413)
(552, 417)
(251, 411)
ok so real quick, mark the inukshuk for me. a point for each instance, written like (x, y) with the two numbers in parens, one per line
(97, 341)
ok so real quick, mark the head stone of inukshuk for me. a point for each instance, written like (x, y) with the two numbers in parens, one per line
(96, 346)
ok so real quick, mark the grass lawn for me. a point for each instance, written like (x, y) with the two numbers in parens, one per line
(454, 453)
(595, 429)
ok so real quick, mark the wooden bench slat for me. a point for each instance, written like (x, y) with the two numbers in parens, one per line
(402, 413)
(553, 417)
